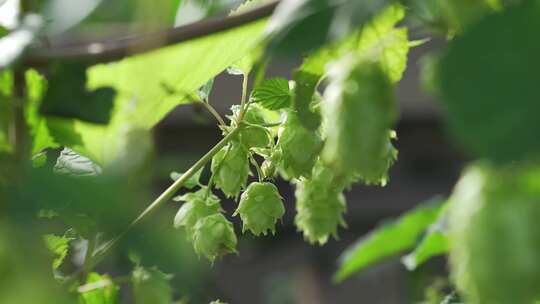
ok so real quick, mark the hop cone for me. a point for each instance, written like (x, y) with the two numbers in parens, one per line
(320, 205)
(359, 112)
(260, 207)
(230, 167)
(494, 235)
(299, 147)
(213, 237)
(197, 206)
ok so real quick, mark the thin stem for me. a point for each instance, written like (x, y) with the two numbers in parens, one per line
(213, 111)
(163, 198)
(257, 167)
(243, 104)
(89, 252)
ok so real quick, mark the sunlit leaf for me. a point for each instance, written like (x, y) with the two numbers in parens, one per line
(99, 289)
(434, 243)
(59, 246)
(273, 94)
(147, 89)
(388, 240)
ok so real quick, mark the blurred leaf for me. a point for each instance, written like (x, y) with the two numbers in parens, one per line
(378, 40)
(273, 94)
(35, 89)
(460, 14)
(434, 243)
(13, 45)
(150, 285)
(381, 40)
(148, 87)
(192, 182)
(99, 289)
(66, 96)
(54, 11)
(304, 25)
(486, 83)
(26, 272)
(299, 26)
(59, 246)
(6, 86)
(71, 163)
(388, 240)
(452, 298)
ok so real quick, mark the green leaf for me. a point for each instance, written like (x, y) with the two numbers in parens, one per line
(41, 136)
(434, 243)
(301, 26)
(493, 110)
(66, 96)
(149, 86)
(99, 289)
(381, 40)
(192, 182)
(150, 285)
(6, 86)
(388, 240)
(59, 246)
(273, 94)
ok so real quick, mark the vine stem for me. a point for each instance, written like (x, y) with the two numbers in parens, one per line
(163, 198)
(243, 104)
(213, 111)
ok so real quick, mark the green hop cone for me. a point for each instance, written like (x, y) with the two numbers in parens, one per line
(320, 205)
(299, 147)
(254, 136)
(197, 206)
(271, 163)
(359, 112)
(260, 208)
(494, 235)
(230, 168)
(214, 236)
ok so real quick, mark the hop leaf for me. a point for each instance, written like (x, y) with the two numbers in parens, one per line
(273, 94)
(493, 233)
(320, 205)
(150, 285)
(230, 167)
(197, 206)
(214, 236)
(299, 147)
(260, 207)
(359, 111)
